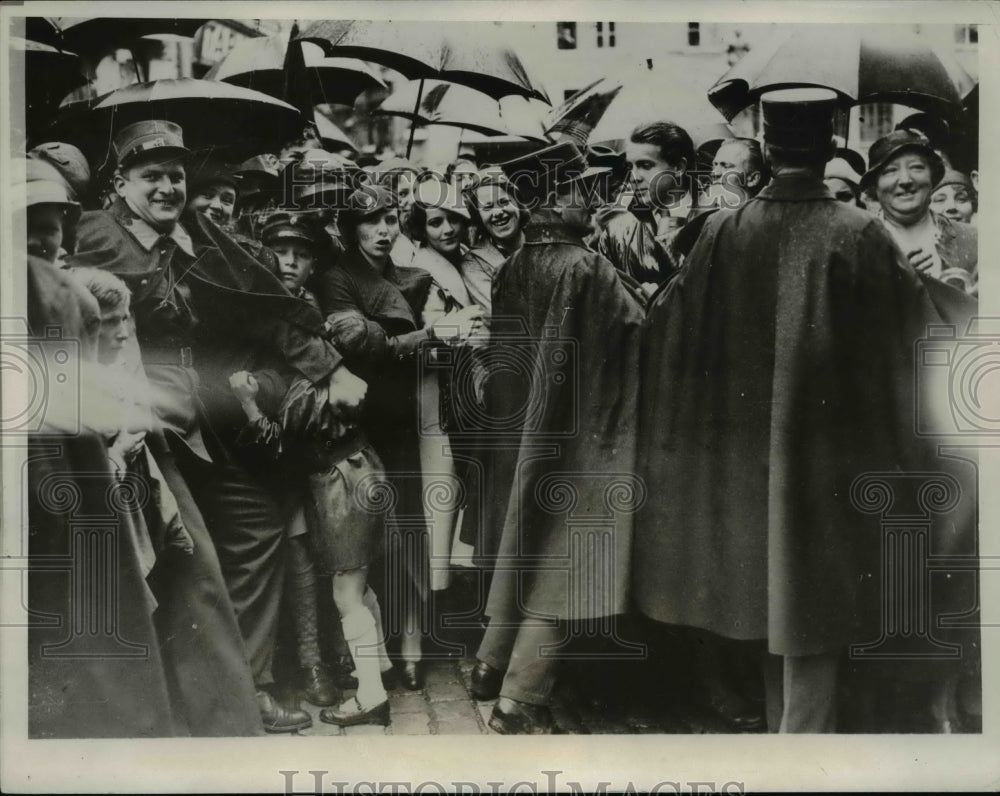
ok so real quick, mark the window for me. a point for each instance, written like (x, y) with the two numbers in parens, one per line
(875, 120)
(600, 33)
(566, 35)
(966, 34)
(694, 34)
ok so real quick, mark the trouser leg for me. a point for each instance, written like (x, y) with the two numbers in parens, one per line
(497, 644)
(530, 676)
(248, 532)
(300, 591)
(198, 627)
(809, 693)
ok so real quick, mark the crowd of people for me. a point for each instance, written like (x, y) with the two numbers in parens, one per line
(567, 390)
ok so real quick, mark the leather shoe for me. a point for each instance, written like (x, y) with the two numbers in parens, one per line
(351, 718)
(319, 686)
(278, 718)
(510, 717)
(343, 673)
(486, 682)
(390, 679)
(412, 675)
(737, 712)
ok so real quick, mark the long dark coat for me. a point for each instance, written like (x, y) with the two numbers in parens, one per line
(779, 367)
(562, 478)
(375, 323)
(96, 686)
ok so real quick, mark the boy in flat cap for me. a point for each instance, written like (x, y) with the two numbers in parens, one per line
(777, 367)
(203, 306)
(572, 434)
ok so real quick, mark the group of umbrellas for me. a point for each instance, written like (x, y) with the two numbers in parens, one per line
(456, 74)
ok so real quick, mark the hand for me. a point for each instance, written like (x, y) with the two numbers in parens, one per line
(458, 325)
(244, 386)
(921, 260)
(346, 391)
(126, 445)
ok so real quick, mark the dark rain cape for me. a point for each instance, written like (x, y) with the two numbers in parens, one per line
(778, 368)
(102, 675)
(560, 483)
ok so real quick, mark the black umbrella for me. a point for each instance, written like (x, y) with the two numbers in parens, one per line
(236, 121)
(862, 64)
(90, 35)
(49, 75)
(260, 64)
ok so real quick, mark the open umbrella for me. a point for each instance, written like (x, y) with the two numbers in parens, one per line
(49, 75)
(87, 35)
(237, 121)
(331, 135)
(259, 64)
(465, 53)
(613, 107)
(458, 106)
(874, 63)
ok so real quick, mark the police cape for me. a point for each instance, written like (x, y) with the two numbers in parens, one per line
(562, 491)
(777, 409)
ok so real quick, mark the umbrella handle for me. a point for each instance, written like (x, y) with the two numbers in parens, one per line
(416, 112)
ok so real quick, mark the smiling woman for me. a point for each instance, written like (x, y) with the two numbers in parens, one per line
(212, 191)
(903, 170)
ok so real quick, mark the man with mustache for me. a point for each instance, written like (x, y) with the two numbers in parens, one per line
(203, 306)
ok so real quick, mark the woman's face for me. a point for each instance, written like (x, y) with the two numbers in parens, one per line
(445, 231)
(841, 190)
(953, 201)
(904, 188)
(499, 214)
(114, 332)
(216, 201)
(377, 233)
(45, 230)
(404, 195)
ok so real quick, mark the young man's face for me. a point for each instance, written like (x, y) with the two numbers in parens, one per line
(155, 189)
(296, 261)
(576, 211)
(657, 182)
(114, 332)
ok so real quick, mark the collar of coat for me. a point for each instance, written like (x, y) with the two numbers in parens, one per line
(547, 226)
(147, 236)
(798, 187)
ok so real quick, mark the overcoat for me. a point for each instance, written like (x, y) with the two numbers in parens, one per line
(779, 367)
(375, 323)
(561, 485)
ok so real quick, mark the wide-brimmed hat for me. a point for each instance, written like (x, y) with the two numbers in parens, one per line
(146, 137)
(363, 203)
(435, 193)
(209, 170)
(953, 177)
(898, 141)
(536, 176)
(69, 162)
(841, 169)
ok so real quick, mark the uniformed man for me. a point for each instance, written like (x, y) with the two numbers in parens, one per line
(203, 307)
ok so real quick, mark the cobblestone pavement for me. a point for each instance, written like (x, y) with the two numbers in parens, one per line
(444, 707)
